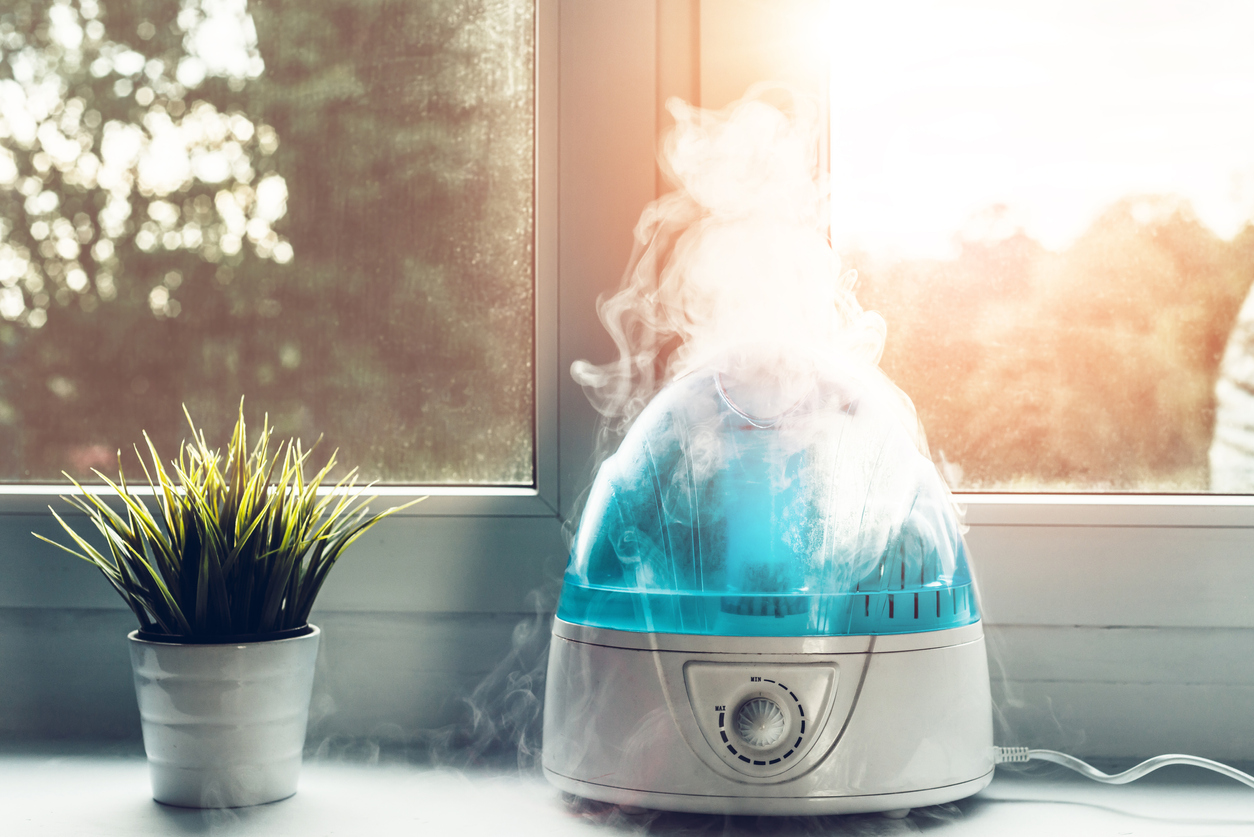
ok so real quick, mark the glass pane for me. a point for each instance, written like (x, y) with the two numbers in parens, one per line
(1051, 205)
(323, 206)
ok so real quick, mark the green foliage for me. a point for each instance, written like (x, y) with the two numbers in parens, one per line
(239, 544)
(1089, 369)
(403, 133)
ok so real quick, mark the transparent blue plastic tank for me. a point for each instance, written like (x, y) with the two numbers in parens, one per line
(824, 521)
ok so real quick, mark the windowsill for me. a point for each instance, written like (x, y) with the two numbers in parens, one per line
(440, 500)
(103, 790)
(981, 509)
(1176, 510)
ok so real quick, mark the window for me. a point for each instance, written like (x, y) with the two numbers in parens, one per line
(327, 207)
(1093, 602)
(1052, 207)
(1057, 572)
(474, 547)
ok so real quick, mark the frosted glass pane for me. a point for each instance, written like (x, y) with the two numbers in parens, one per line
(324, 206)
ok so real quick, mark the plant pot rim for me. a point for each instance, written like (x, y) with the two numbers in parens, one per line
(291, 635)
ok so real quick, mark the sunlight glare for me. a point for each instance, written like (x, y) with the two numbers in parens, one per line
(942, 110)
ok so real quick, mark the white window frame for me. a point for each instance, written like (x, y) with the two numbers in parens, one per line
(422, 559)
(1065, 562)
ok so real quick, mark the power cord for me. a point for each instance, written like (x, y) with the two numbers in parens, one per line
(1017, 755)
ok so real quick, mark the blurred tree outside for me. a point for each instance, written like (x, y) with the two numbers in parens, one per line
(323, 206)
(1091, 369)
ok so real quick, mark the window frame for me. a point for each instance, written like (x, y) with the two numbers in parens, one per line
(541, 497)
(595, 170)
(1117, 625)
(410, 562)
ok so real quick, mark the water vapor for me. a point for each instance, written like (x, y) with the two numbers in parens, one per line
(504, 712)
(734, 270)
(763, 451)
(734, 318)
(492, 723)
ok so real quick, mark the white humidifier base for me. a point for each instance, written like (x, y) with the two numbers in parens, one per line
(758, 725)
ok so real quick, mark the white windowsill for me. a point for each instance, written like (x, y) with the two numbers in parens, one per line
(441, 500)
(1145, 510)
(1153, 510)
(85, 792)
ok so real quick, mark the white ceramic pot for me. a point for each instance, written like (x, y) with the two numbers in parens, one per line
(224, 725)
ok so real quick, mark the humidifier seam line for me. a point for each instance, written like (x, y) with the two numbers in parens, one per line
(658, 493)
(981, 777)
(741, 653)
(783, 653)
(921, 640)
(929, 648)
(694, 502)
(853, 705)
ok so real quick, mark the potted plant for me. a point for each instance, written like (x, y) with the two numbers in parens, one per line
(222, 571)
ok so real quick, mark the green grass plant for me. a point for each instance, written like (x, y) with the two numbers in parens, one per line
(234, 544)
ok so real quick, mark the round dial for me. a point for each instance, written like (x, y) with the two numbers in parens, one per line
(760, 722)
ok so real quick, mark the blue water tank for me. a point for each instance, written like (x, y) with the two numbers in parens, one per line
(826, 520)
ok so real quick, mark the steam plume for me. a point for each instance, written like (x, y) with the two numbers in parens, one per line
(734, 316)
(734, 270)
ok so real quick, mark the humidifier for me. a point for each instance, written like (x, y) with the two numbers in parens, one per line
(768, 614)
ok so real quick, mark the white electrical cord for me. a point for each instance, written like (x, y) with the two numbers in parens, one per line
(1013, 755)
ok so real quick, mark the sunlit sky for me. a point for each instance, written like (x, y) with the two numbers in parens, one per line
(941, 109)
